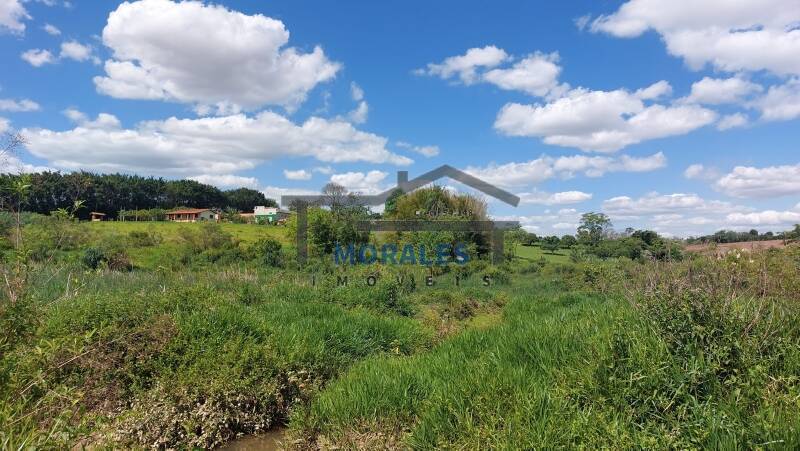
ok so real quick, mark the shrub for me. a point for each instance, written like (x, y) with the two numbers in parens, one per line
(529, 268)
(140, 238)
(471, 267)
(92, 258)
(268, 252)
(497, 275)
(208, 236)
(119, 261)
(577, 255)
(551, 244)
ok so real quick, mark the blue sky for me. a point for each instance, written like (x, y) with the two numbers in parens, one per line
(677, 116)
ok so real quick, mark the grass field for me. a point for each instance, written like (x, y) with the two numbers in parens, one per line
(164, 253)
(533, 253)
(197, 346)
(246, 233)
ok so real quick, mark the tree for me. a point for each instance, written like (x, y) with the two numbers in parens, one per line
(246, 199)
(794, 234)
(648, 236)
(567, 241)
(335, 195)
(550, 243)
(190, 193)
(18, 189)
(232, 215)
(531, 239)
(269, 251)
(112, 193)
(9, 144)
(593, 228)
(442, 204)
(390, 207)
(517, 235)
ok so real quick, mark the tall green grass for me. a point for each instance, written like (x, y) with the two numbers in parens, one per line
(137, 358)
(562, 370)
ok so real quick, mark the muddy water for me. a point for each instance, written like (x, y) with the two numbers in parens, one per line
(271, 440)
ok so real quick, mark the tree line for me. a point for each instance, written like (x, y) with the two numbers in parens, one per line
(111, 193)
(595, 236)
(732, 236)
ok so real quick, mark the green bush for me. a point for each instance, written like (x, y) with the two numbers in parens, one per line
(268, 252)
(497, 274)
(140, 238)
(92, 258)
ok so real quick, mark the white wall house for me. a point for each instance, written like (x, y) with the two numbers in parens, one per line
(192, 215)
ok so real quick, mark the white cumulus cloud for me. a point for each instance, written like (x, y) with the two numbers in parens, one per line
(717, 91)
(12, 15)
(225, 181)
(466, 66)
(781, 102)
(360, 182)
(536, 74)
(427, 151)
(700, 172)
(767, 217)
(602, 121)
(51, 29)
(734, 120)
(544, 168)
(10, 164)
(561, 198)
(215, 145)
(23, 105)
(300, 174)
(75, 50)
(729, 35)
(206, 55)
(753, 182)
(38, 57)
(660, 204)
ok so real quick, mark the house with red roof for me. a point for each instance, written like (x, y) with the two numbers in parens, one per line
(192, 215)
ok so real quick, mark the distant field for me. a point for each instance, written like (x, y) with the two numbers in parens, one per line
(536, 253)
(247, 233)
(165, 253)
(727, 247)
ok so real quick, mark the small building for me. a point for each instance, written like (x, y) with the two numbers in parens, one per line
(269, 215)
(97, 216)
(192, 215)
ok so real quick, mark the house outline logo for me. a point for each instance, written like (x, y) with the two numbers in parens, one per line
(496, 228)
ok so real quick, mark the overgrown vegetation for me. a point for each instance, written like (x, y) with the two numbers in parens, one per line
(693, 354)
(136, 335)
